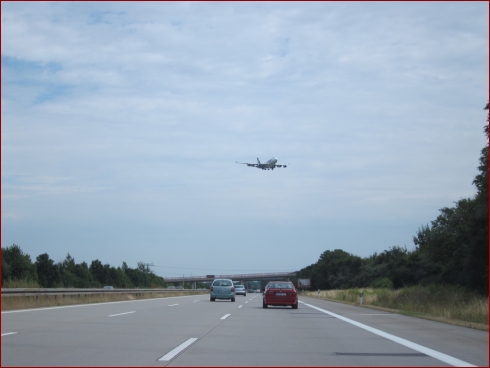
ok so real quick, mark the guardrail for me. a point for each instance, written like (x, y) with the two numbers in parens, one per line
(32, 292)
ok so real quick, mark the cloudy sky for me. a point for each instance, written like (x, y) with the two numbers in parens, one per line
(122, 122)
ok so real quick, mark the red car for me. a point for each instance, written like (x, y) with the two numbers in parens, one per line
(280, 293)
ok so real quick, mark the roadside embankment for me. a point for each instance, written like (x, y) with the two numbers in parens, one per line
(434, 302)
(40, 300)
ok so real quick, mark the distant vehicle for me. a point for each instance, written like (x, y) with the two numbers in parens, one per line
(180, 287)
(222, 289)
(280, 293)
(250, 291)
(171, 287)
(108, 287)
(240, 290)
(269, 165)
(257, 291)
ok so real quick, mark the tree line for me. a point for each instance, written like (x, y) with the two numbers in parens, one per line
(452, 250)
(17, 265)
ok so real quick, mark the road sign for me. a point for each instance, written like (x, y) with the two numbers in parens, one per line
(304, 283)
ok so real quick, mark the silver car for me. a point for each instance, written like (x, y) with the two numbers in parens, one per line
(240, 290)
(222, 289)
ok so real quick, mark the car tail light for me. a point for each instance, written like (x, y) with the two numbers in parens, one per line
(211, 288)
(232, 289)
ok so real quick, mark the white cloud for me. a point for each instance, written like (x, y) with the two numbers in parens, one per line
(138, 111)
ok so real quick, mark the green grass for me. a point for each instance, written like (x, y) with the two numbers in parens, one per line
(17, 284)
(446, 302)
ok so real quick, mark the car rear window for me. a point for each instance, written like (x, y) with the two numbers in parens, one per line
(281, 285)
(222, 283)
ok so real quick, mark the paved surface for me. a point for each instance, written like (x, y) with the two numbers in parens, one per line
(192, 331)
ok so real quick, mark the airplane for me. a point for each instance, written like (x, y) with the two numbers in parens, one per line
(269, 165)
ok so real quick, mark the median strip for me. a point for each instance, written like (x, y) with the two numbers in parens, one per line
(36, 309)
(170, 355)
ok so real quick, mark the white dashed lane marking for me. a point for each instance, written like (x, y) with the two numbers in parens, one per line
(170, 355)
(225, 316)
(120, 314)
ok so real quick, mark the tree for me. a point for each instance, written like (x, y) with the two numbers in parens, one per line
(74, 275)
(334, 269)
(485, 128)
(98, 272)
(457, 241)
(18, 265)
(47, 272)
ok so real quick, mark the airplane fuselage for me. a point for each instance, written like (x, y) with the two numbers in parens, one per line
(269, 165)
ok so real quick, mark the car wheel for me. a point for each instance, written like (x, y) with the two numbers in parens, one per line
(295, 306)
(264, 305)
(232, 299)
(212, 299)
(244, 294)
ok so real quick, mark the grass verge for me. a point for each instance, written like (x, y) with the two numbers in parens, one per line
(434, 302)
(40, 301)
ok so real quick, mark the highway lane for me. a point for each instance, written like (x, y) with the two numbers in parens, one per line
(148, 332)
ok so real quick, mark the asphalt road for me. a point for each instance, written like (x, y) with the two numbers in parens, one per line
(192, 331)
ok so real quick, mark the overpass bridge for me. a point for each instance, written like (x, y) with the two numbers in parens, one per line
(243, 278)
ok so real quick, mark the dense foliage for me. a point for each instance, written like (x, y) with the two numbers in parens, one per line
(452, 250)
(18, 266)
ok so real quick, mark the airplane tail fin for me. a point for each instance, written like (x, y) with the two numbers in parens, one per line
(258, 161)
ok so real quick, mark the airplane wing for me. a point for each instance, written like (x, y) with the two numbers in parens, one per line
(246, 163)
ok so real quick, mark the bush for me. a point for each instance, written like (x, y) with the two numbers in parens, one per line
(385, 283)
(25, 283)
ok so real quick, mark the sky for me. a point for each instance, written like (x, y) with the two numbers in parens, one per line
(122, 122)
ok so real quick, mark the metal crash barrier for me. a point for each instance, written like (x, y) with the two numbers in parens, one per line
(72, 292)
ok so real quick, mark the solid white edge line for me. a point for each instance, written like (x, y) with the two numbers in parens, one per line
(422, 349)
(225, 316)
(9, 333)
(120, 314)
(177, 350)
(92, 304)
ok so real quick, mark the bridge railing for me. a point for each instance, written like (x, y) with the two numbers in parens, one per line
(235, 276)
